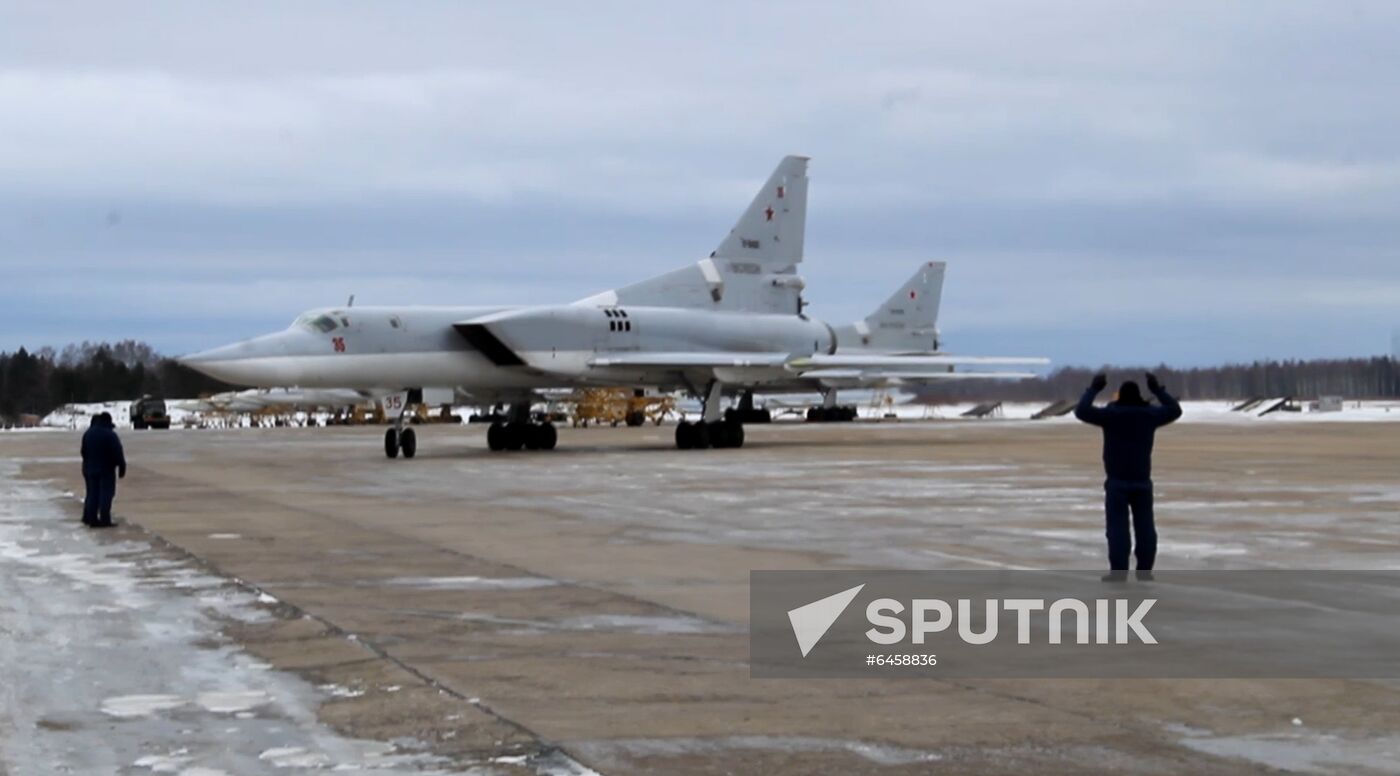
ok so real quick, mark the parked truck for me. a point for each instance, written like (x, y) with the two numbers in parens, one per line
(149, 412)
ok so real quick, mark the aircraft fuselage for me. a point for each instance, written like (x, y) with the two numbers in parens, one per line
(495, 349)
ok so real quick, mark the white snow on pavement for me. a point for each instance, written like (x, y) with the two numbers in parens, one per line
(112, 661)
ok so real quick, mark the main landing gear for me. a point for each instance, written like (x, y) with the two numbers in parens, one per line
(746, 413)
(517, 436)
(711, 430)
(519, 432)
(829, 411)
(718, 434)
(831, 414)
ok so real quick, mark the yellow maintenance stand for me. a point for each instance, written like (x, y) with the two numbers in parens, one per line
(617, 405)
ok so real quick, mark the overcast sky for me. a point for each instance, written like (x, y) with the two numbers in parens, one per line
(1189, 182)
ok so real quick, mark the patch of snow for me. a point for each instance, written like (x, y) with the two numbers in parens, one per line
(294, 757)
(164, 763)
(471, 583)
(1295, 751)
(230, 701)
(129, 706)
(336, 691)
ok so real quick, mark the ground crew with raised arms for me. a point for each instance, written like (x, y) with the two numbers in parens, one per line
(1129, 428)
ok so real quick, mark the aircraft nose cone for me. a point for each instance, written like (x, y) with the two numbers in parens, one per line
(223, 363)
(214, 355)
(257, 362)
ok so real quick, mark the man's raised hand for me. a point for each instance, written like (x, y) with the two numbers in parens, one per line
(1152, 383)
(1100, 382)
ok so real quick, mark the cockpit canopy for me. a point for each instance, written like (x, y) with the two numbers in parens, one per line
(322, 321)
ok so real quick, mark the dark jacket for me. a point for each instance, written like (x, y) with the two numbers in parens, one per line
(1128, 431)
(102, 451)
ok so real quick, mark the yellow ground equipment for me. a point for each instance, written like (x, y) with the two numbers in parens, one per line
(617, 405)
(423, 414)
(365, 414)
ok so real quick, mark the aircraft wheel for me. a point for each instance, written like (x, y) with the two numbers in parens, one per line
(719, 434)
(408, 442)
(516, 434)
(391, 444)
(814, 414)
(700, 436)
(685, 436)
(549, 436)
(532, 436)
(736, 435)
(496, 437)
(764, 416)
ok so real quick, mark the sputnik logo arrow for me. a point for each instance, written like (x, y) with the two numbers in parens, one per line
(811, 621)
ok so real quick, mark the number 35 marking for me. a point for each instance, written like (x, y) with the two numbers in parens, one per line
(338, 343)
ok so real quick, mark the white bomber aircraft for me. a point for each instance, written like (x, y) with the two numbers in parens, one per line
(731, 323)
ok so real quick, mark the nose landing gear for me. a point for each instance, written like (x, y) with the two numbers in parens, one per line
(396, 441)
(399, 438)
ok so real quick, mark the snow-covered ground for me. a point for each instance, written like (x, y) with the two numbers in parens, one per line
(111, 661)
(78, 416)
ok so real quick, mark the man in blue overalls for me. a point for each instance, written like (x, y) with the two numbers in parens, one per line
(103, 463)
(1129, 426)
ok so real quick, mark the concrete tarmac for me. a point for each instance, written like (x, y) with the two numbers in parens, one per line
(591, 603)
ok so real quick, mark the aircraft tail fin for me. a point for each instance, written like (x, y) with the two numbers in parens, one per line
(771, 230)
(754, 269)
(907, 322)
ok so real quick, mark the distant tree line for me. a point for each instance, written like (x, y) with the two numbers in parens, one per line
(1352, 378)
(38, 383)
